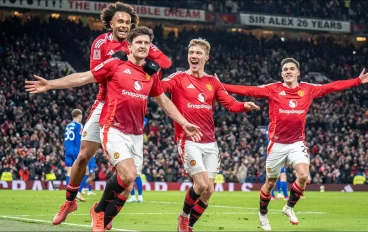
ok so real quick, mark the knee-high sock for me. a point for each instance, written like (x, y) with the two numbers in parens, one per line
(83, 183)
(191, 199)
(113, 208)
(67, 178)
(114, 187)
(139, 184)
(284, 187)
(278, 186)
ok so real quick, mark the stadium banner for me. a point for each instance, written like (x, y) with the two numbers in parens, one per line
(295, 23)
(92, 7)
(174, 186)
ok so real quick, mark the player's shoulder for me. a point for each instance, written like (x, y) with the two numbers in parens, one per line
(307, 84)
(177, 74)
(109, 62)
(271, 85)
(101, 40)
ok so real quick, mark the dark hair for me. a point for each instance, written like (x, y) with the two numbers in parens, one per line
(140, 31)
(290, 60)
(111, 9)
(76, 113)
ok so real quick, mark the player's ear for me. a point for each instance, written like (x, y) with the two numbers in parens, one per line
(110, 24)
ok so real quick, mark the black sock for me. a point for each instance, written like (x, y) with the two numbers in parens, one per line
(295, 193)
(197, 212)
(71, 192)
(263, 203)
(113, 209)
(114, 187)
(191, 199)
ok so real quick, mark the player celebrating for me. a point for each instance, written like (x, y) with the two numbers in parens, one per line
(122, 118)
(118, 18)
(288, 106)
(194, 93)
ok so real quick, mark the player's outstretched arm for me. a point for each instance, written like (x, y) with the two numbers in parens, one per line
(335, 86)
(363, 76)
(73, 80)
(170, 109)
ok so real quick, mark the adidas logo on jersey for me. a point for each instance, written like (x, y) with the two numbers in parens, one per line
(127, 71)
(191, 86)
(282, 93)
(110, 53)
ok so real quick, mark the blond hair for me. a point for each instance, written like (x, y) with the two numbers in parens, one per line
(200, 42)
(290, 60)
(76, 113)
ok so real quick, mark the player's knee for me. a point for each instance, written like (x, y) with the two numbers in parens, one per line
(210, 190)
(303, 177)
(82, 159)
(128, 178)
(201, 187)
(270, 184)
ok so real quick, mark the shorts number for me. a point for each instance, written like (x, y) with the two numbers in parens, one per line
(304, 149)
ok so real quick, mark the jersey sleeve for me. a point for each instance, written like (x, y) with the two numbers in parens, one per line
(262, 91)
(156, 89)
(323, 90)
(97, 51)
(106, 69)
(170, 83)
(158, 56)
(228, 101)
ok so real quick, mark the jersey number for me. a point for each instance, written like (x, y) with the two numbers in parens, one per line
(69, 134)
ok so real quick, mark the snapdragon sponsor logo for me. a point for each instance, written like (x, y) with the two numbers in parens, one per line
(281, 111)
(131, 94)
(201, 106)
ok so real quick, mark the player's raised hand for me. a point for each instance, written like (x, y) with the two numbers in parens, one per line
(364, 76)
(193, 131)
(251, 106)
(38, 86)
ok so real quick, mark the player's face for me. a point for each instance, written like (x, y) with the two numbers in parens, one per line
(197, 58)
(290, 73)
(120, 24)
(140, 46)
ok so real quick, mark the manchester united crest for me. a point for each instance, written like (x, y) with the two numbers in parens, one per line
(301, 93)
(193, 162)
(84, 133)
(116, 155)
(269, 170)
(209, 87)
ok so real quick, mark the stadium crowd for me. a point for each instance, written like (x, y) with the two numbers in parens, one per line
(351, 10)
(32, 126)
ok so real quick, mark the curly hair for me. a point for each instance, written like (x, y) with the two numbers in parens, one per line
(111, 9)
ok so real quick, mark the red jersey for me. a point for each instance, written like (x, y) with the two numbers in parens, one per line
(194, 97)
(288, 107)
(104, 47)
(128, 87)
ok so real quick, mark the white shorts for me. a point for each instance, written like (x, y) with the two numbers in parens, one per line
(199, 157)
(120, 146)
(278, 154)
(91, 131)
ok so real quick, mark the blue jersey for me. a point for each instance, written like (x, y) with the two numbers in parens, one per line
(72, 138)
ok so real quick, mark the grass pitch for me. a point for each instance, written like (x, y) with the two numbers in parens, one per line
(228, 211)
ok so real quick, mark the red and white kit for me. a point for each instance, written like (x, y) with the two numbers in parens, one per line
(195, 98)
(287, 112)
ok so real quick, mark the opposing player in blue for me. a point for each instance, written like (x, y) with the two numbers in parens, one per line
(138, 183)
(92, 166)
(72, 143)
(281, 183)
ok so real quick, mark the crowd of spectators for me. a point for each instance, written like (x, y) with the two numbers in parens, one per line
(351, 10)
(32, 126)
